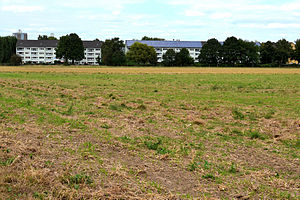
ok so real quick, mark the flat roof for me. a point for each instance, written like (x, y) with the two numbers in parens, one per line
(167, 44)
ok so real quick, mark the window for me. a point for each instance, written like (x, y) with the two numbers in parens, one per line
(34, 49)
(27, 48)
(41, 53)
(49, 49)
(34, 53)
(98, 49)
(20, 49)
(197, 50)
(42, 49)
(42, 58)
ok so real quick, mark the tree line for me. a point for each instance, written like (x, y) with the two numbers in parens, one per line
(238, 52)
(232, 52)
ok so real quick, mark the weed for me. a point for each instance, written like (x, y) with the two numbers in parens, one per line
(115, 107)
(209, 176)
(105, 126)
(206, 165)
(237, 132)
(192, 166)
(69, 111)
(269, 114)
(157, 146)
(237, 114)
(142, 107)
(232, 168)
(254, 134)
(215, 87)
(7, 162)
(77, 179)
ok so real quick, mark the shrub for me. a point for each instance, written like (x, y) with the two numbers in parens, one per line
(15, 60)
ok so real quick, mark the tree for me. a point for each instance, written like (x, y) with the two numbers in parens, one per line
(15, 60)
(7, 48)
(210, 53)
(142, 54)
(249, 53)
(98, 59)
(112, 52)
(169, 58)
(153, 39)
(183, 58)
(70, 47)
(283, 52)
(45, 37)
(297, 51)
(267, 52)
(231, 51)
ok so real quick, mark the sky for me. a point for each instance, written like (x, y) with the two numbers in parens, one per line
(254, 20)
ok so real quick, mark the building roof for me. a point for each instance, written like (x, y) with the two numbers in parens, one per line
(167, 44)
(54, 43)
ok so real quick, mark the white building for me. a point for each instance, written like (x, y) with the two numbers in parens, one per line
(43, 51)
(161, 47)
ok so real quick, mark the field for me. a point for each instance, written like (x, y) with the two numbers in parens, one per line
(149, 133)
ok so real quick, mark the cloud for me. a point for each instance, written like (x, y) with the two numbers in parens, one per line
(193, 13)
(21, 8)
(220, 15)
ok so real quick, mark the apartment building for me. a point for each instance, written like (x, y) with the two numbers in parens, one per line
(161, 47)
(20, 35)
(43, 51)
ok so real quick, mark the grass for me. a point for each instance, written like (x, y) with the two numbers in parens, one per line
(182, 133)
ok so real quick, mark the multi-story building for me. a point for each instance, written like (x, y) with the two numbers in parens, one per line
(161, 47)
(43, 51)
(20, 35)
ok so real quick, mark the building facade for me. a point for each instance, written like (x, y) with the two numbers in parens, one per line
(20, 35)
(161, 47)
(43, 51)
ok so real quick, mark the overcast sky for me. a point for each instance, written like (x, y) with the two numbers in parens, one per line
(260, 20)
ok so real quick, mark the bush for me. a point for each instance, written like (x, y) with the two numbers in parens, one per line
(15, 60)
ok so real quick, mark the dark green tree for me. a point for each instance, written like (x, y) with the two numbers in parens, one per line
(169, 58)
(153, 39)
(231, 51)
(283, 52)
(296, 54)
(112, 52)
(142, 54)
(45, 37)
(249, 54)
(15, 60)
(183, 58)
(267, 52)
(98, 59)
(7, 48)
(70, 47)
(210, 53)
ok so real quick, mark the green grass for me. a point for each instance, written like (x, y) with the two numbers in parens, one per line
(133, 136)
